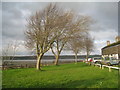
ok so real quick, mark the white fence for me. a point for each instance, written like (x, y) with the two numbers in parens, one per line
(110, 67)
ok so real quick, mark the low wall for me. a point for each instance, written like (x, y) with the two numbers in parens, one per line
(32, 63)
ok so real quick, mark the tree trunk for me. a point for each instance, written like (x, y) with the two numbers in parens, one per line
(76, 58)
(38, 65)
(57, 58)
(87, 56)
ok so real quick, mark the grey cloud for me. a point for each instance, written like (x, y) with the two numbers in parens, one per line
(13, 22)
(105, 14)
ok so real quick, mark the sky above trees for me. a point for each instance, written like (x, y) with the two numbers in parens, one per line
(105, 15)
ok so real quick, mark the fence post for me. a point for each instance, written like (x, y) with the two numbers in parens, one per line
(102, 67)
(109, 69)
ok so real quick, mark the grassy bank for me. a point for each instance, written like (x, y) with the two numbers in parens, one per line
(79, 75)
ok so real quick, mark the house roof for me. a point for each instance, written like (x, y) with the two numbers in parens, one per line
(111, 45)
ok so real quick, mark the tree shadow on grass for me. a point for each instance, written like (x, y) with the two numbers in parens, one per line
(41, 70)
(74, 84)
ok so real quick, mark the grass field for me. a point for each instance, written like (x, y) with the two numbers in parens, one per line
(72, 75)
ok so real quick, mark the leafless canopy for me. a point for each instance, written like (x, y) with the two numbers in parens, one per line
(53, 27)
(44, 28)
(88, 45)
(75, 26)
(9, 51)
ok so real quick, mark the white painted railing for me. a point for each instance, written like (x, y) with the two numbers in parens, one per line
(110, 67)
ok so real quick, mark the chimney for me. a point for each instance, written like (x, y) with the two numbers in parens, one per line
(108, 43)
(117, 38)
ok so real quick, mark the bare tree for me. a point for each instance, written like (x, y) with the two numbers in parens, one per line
(51, 28)
(42, 29)
(62, 34)
(76, 46)
(74, 25)
(88, 45)
(57, 47)
(77, 33)
(9, 51)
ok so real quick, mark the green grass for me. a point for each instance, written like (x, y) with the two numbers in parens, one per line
(79, 75)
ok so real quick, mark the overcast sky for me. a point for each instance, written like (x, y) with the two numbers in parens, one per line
(104, 13)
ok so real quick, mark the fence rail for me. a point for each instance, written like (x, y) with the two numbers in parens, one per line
(110, 67)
